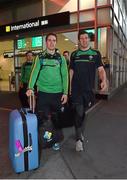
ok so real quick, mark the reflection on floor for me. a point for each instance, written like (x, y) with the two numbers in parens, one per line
(4, 86)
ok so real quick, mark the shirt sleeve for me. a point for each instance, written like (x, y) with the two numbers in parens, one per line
(64, 74)
(72, 61)
(34, 73)
(99, 60)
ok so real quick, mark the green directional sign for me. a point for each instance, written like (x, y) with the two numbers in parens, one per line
(37, 41)
(91, 33)
(21, 43)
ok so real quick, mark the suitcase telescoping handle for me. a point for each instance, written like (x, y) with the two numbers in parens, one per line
(32, 103)
(30, 142)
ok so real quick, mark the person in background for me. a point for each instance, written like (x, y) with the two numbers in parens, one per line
(83, 64)
(51, 76)
(66, 54)
(25, 75)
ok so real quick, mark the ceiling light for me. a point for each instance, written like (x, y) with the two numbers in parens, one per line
(66, 39)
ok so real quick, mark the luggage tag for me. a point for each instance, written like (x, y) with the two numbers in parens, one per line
(21, 149)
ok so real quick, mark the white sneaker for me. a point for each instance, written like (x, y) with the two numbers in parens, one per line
(56, 146)
(79, 145)
(82, 137)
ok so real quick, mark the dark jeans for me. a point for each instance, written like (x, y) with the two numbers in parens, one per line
(23, 97)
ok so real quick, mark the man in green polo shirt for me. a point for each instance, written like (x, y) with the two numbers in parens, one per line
(83, 65)
(25, 75)
(50, 74)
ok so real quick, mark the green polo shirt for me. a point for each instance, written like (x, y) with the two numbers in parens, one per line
(50, 73)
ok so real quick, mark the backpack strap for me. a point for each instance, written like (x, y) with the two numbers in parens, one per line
(41, 61)
(58, 58)
(44, 55)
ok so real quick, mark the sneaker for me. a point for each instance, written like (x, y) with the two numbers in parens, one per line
(56, 146)
(82, 137)
(79, 145)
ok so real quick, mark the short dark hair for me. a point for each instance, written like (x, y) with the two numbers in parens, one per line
(29, 52)
(82, 32)
(66, 52)
(51, 34)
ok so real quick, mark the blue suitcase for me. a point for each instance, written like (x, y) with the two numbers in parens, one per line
(23, 141)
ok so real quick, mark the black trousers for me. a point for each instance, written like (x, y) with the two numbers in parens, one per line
(23, 97)
(80, 103)
(48, 104)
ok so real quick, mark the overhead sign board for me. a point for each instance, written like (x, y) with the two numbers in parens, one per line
(54, 20)
(21, 43)
(37, 41)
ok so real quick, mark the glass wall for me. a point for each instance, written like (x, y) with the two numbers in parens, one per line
(105, 48)
(6, 63)
(116, 25)
(120, 12)
(87, 16)
(111, 33)
(116, 70)
(54, 6)
(87, 4)
(116, 8)
(104, 16)
(102, 2)
(10, 64)
(102, 41)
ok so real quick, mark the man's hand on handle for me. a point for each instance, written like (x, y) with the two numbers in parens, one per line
(29, 92)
